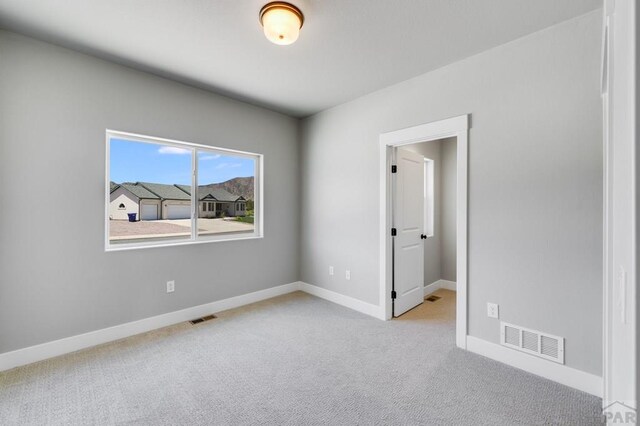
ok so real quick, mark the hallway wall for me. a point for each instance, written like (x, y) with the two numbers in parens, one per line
(448, 182)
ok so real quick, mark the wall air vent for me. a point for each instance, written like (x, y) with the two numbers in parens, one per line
(532, 342)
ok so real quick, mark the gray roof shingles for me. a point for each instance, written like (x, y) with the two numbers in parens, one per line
(220, 195)
(139, 191)
(166, 192)
(157, 191)
(185, 188)
(217, 194)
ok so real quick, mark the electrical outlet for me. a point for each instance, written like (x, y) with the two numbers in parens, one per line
(330, 270)
(493, 310)
(171, 286)
(347, 274)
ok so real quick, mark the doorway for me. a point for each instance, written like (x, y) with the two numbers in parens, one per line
(424, 219)
(412, 263)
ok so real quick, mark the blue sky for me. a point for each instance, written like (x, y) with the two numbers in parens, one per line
(147, 162)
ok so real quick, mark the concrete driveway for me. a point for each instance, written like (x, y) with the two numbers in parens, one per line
(124, 230)
(213, 226)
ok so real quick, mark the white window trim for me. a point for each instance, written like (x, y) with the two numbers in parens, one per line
(194, 238)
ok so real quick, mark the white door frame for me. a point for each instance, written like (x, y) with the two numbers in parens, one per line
(457, 127)
(620, 380)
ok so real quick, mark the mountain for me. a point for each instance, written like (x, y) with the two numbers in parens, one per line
(237, 186)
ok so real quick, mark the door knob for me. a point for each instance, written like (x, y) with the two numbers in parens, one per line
(423, 237)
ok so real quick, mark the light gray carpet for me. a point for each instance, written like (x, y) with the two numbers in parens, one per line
(290, 360)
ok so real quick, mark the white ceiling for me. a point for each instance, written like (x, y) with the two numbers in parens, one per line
(347, 48)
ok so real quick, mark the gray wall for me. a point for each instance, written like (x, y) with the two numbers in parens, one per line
(55, 278)
(535, 183)
(449, 192)
(432, 246)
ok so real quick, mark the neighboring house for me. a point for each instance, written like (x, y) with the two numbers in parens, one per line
(216, 202)
(175, 203)
(152, 201)
(133, 198)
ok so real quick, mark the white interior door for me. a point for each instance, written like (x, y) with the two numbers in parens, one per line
(408, 218)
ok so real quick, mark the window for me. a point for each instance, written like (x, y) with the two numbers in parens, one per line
(429, 198)
(155, 178)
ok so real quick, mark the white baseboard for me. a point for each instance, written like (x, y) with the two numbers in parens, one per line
(448, 285)
(430, 288)
(437, 285)
(349, 302)
(567, 376)
(74, 343)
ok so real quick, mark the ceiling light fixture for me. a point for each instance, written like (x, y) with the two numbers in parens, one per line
(281, 21)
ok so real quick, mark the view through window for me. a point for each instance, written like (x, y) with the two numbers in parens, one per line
(151, 201)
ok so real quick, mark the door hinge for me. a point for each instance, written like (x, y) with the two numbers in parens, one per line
(394, 169)
(393, 232)
(393, 294)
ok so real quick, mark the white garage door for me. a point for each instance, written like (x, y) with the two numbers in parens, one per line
(149, 211)
(178, 212)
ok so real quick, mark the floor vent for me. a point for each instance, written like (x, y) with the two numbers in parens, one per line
(203, 319)
(532, 342)
(433, 298)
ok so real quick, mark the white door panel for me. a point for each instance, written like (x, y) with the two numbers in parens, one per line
(408, 219)
(411, 214)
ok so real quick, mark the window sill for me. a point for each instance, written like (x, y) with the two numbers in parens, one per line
(138, 246)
